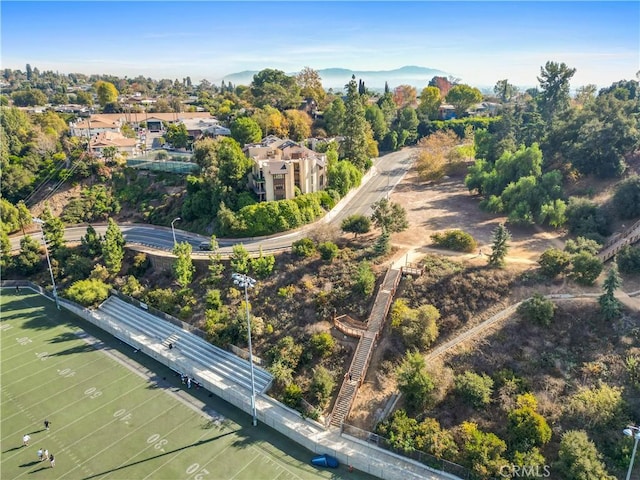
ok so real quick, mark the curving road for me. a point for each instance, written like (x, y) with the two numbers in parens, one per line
(386, 173)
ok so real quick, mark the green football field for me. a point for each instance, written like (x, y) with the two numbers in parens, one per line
(116, 414)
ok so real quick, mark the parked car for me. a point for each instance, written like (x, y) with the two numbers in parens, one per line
(205, 246)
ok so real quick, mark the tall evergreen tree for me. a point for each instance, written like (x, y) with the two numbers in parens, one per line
(113, 247)
(354, 145)
(386, 88)
(609, 305)
(500, 247)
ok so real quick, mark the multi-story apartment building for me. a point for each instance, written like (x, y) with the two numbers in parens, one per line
(280, 166)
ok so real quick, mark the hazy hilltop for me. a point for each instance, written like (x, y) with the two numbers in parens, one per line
(337, 78)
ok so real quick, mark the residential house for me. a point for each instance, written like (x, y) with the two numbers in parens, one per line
(95, 124)
(124, 145)
(200, 127)
(280, 166)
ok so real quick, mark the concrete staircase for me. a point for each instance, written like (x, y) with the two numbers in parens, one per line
(366, 346)
(197, 351)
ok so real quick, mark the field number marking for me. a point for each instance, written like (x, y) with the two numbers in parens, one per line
(42, 355)
(195, 467)
(66, 373)
(92, 392)
(123, 415)
(159, 442)
(23, 340)
(5, 326)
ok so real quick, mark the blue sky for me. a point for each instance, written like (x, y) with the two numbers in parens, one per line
(479, 42)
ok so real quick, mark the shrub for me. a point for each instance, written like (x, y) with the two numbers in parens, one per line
(476, 389)
(537, 309)
(596, 406)
(328, 251)
(582, 244)
(263, 265)
(553, 262)
(322, 344)
(214, 299)
(303, 248)
(365, 279)
(455, 240)
(527, 428)
(322, 384)
(414, 382)
(586, 219)
(287, 352)
(292, 395)
(88, 292)
(586, 268)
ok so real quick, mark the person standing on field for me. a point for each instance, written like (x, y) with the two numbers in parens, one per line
(52, 460)
(25, 439)
(46, 424)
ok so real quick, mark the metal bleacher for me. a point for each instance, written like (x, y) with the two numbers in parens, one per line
(189, 348)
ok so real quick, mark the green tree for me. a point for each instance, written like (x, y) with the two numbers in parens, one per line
(482, 451)
(430, 101)
(262, 265)
(92, 242)
(500, 246)
(6, 259)
(474, 388)
(113, 247)
(579, 458)
(303, 248)
(414, 382)
(626, 199)
(390, 216)
(628, 259)
(245, 130)
(29, 259)
(343, 176)
(183, 266)
(53, 229)
(537, 309)
(28, 98)
(418, 327)
(407, 126)
(526, 427)
(354, 144)
(504, 90)
(322, 344)
(310, 84)
(274, 88)
(463, 97)
(582, 244)
(585, 268)
(107, 92)
(377, 122)
(610, 306)
(177, 135)
(334, 116)
(554, 85)
(356, 224)
(239, 259)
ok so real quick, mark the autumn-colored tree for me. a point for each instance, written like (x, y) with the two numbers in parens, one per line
(405, 96)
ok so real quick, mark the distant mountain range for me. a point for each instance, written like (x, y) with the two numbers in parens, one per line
(337, 78)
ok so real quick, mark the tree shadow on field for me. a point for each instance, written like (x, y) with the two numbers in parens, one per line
(170, 452)
(64, 337)
(73, 350)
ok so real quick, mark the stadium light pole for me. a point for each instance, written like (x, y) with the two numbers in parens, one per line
(173, 230)
(46, 252)
(634, 432)
(243, 280)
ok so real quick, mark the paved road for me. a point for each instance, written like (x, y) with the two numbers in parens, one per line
(386, 173)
